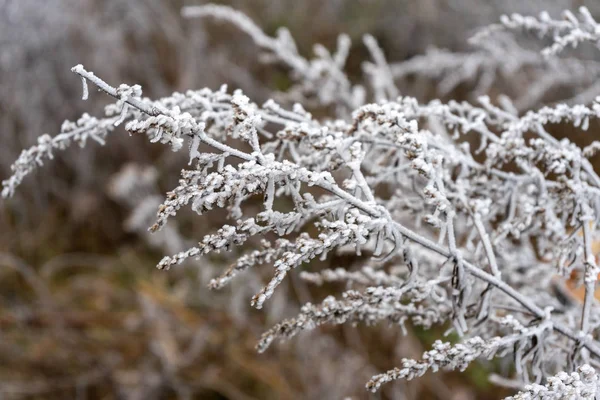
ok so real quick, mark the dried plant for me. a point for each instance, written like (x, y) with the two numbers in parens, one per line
(476, 241)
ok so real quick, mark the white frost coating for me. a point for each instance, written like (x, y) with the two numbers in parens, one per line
(582, 384)
(85, 94)
(569, 31)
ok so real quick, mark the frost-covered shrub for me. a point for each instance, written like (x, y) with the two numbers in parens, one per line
(475, 240)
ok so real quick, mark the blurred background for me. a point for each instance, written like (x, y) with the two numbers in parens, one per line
(83, 312)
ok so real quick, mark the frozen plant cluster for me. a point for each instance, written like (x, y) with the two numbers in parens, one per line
(476, 236)
(582, 384)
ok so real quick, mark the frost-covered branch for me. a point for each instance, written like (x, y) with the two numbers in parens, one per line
(567, 32)
(176, 125)
(582, 384)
